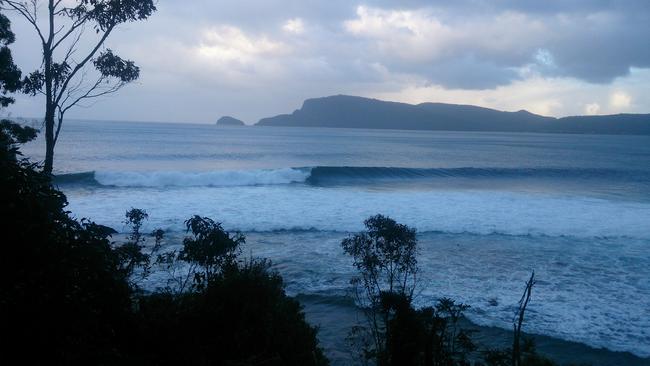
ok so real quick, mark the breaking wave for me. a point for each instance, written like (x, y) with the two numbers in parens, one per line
(331, 175)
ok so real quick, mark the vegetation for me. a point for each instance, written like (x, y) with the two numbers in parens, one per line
(398, 334)
(68, 293)
(69, 75)
(385, 255)
(9, 73)
(63, 292)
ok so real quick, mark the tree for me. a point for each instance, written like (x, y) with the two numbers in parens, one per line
(210, 249)
(65, 77)
(385, 256)
(62, 296)
(9, 72)
(397, 333)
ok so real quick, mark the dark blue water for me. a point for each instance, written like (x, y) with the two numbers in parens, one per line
(489, 207)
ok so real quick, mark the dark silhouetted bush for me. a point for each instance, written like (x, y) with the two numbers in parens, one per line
(67, 295)
(62, 296)
(398, 334)
(241, 317)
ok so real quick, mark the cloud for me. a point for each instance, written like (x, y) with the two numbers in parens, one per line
(593, 46)
(200, 59)
(476, 53)
(620, 100)
(543, 95)
(228, 43)
(294, 25)
(592, 109)
(214, 56)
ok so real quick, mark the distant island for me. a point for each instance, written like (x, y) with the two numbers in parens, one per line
(229, 121)
(357, 112)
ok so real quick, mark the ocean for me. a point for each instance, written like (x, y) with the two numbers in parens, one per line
(489, 209)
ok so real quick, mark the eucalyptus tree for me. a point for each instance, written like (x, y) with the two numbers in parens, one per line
(76, 66)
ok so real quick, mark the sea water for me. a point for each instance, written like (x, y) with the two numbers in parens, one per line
(489, 209)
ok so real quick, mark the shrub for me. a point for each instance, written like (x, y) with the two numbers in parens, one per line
(241, 317)
(62, 295)
(66, 295)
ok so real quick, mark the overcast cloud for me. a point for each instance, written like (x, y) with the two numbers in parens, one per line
(201, 59)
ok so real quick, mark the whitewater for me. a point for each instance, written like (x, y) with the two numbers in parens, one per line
(489, 208)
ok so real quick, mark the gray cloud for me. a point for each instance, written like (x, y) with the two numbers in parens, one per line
(204, 58)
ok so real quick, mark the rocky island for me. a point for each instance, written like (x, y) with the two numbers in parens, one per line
(229, 121)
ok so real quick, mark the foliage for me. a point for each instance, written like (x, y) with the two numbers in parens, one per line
(241, 317)
(61, 290)
(399, 334)
(446, 342)
(210, 249)
(67, 296)
(130, 253)
(109, 64)
(9, 73)
(206, 253)
(385, 256)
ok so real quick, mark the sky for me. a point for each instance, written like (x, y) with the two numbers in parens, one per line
(202, 59)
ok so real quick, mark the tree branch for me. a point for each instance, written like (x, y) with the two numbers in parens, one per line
(83, 62)
(73, 46)
(73, 27)
(22, 9)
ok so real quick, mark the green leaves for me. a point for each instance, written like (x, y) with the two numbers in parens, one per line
(13, 133)
(111, 65)
(109, 13)
(210, 247)
(9, 72)
(34, 83)
(385, 254)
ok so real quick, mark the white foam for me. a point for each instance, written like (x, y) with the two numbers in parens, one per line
(225, 178)
(589, 253)
(284, 207)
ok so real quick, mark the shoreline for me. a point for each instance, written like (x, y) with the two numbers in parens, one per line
(335, 314)
(334, 319)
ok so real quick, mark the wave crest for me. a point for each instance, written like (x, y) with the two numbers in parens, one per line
(225, 178)
(335, 175)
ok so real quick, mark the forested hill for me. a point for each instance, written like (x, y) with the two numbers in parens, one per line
(357, 112)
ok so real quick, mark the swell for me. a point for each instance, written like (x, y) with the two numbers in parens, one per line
(323, 174)
(338, 175)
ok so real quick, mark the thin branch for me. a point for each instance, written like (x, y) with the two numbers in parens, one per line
(59, 30)
(94, 92)
(73, 46)
(73, 27)
(22, 9)
(83, 62)
(70, 93)
(519, 319)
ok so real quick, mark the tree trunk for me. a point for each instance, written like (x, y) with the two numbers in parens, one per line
(50, 107)
(49, 138)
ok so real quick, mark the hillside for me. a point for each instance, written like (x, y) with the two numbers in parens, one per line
(357, 112)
